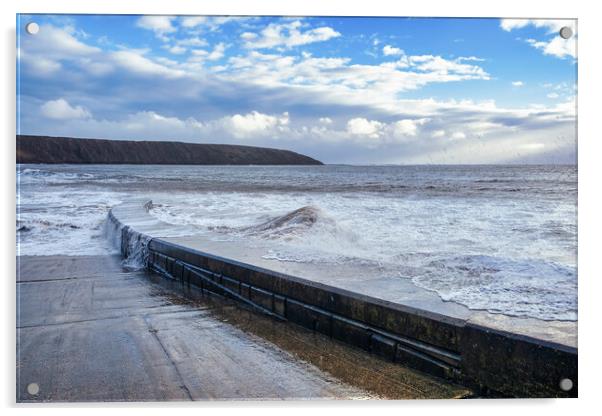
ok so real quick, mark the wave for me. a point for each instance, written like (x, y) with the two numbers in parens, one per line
(289, 225)
(293, 223)
(304, 235)
(28, 225)
(517, 287)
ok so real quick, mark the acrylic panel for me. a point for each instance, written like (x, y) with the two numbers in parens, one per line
(253, 207)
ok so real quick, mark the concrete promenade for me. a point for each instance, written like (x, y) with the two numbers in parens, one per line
(88, 330)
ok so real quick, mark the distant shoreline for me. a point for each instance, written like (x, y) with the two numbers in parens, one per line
(69, 150)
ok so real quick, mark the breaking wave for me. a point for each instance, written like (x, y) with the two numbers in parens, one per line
(287, 226)
(304, 235)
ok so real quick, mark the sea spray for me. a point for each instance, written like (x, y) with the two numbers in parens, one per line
(132, 244)
(134, 249)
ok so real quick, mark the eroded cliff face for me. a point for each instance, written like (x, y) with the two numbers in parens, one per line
(42, 149)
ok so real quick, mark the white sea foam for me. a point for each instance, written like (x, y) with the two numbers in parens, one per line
(417, 239)
(502, 239)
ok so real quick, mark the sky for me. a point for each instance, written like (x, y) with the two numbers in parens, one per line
(359, 90)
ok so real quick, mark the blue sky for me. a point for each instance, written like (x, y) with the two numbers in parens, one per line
(343, 90)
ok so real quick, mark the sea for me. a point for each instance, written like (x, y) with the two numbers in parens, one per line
(497, 238)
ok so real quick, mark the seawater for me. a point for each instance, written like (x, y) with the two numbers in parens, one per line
(496, 238)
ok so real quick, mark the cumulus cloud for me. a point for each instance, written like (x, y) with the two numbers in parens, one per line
(160, 25)
(217, 52)
(287, 35)
(389, 50)
(60, 109)
(495, 133)
(362, 127)
(517, 83)
(554, 46)
(403, 128)
(193, 21)
(254, 124)
(557, 47)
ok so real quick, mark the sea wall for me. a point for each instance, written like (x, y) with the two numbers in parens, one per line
(490, 361)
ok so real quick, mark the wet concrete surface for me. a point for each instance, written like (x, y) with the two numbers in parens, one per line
(88, 330)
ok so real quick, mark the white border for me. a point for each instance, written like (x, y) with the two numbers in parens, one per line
(590, 288)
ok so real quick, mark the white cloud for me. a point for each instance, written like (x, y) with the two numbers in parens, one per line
(43, 55)
(177, 50)
(445, 66)
(62, 41)
(193, 21)
(288, 35)
(144, 120)
(369, 120)
(511, 24)
(96, 68)
(517, 83)
(217, 52)
(210, 23)
(337, 80)
(553, 26)
(363, 127)
(553, 95)
(40, 65)
(248, 36)
(45, 50)
(555, 46)
(470, 59)
(201, 55)
(61, 110)
(158, 24)
(380, 133)
(407, 127)
(139, 64)
(193, 41)
(389, 50)
(360, 139)
(254, 124)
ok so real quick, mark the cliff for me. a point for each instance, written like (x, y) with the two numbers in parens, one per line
(43, 149)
